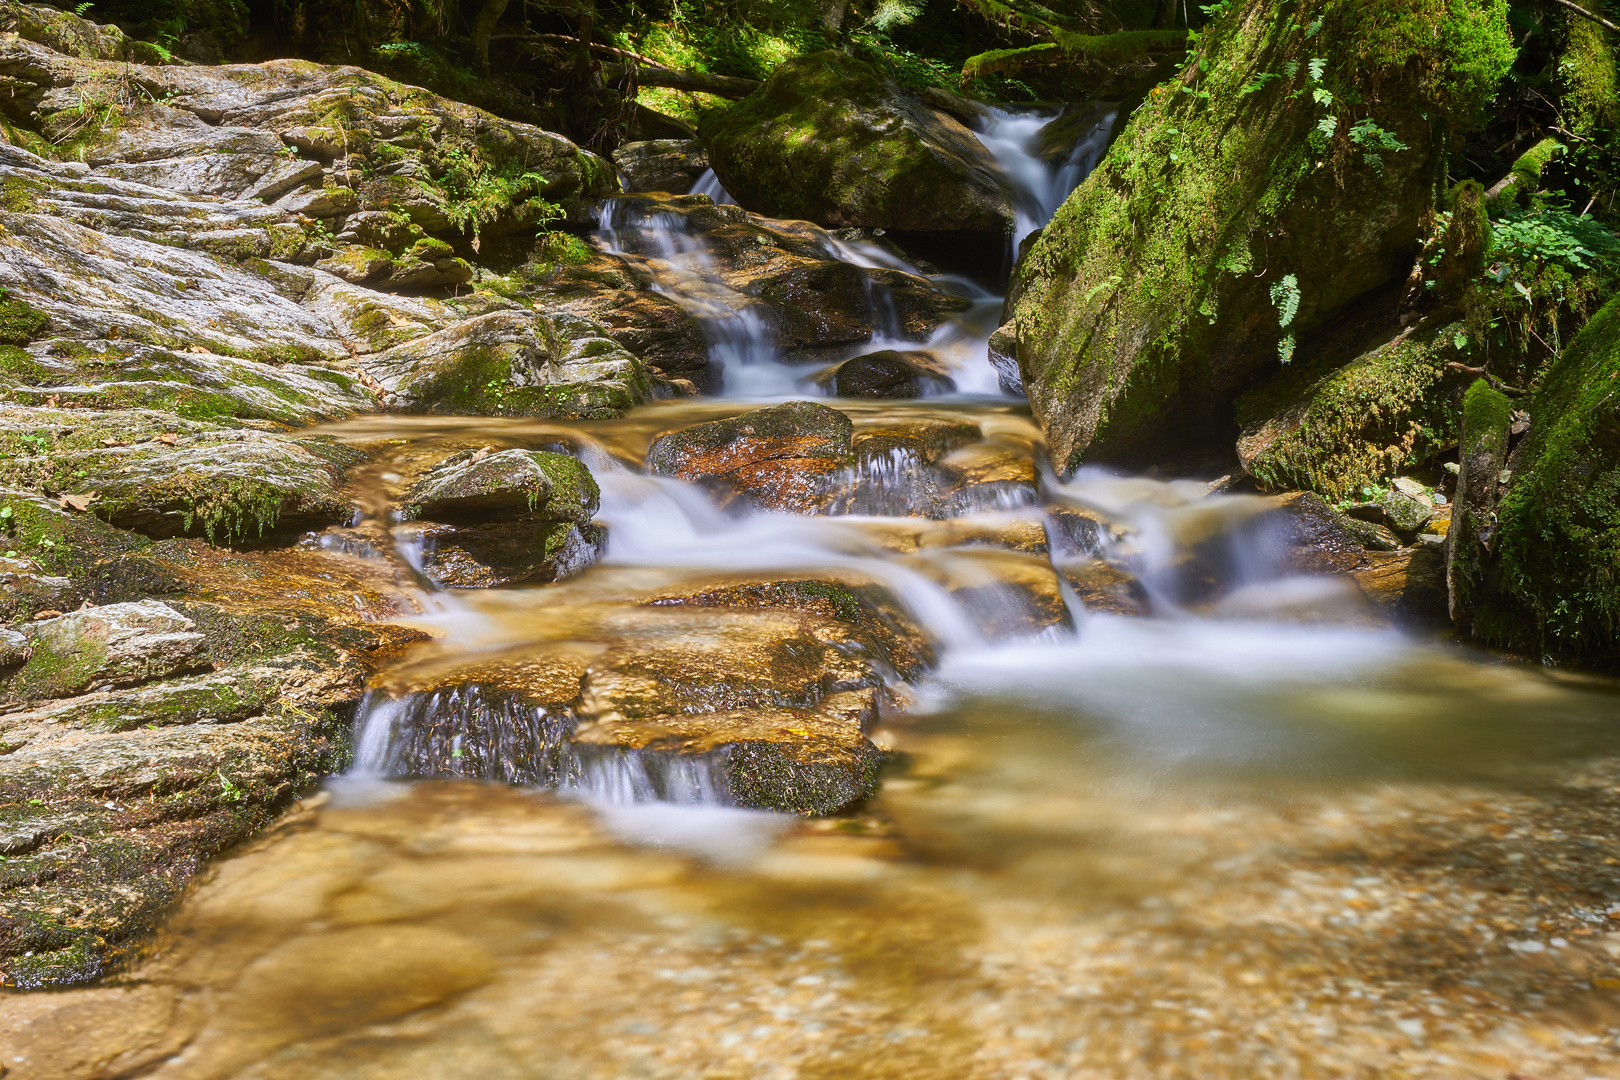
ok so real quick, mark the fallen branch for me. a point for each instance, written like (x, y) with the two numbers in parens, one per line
(1496, 384)
(1583, 13)
(696, 81)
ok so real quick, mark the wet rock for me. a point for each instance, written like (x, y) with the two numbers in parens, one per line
(477, 483)
(115, 645)
(671, 165)
(1005, 594)
(1371, 535)
(1106, 589)
(1318, 539)
(1408, 586)
(865, 605)
(780, 458)
(527, 550)
(829, 139)
(891, 374)
(810, 297)
(993, 474)
(766, 707)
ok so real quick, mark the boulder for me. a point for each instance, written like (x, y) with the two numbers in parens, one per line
(781, 458)
(891, 374)
(829, 139)
(508, 483)
(163, 477)
(1214, 234)
(671, 165)
(1348, 416)
(512, 363)
(1547, 581)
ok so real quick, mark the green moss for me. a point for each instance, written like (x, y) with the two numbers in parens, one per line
(1467, 238)
(60, 542)
(1093, 47)
(1558, 535)
(1527, 168)
(20, 323)
(1587, 70)
(20, 195)
(1339, 431)
(20, 364)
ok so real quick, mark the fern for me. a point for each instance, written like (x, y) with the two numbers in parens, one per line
(82, 8)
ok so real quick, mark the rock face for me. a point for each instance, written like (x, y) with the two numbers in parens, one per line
(266, 215)
(1547, 579)
(1215, 232)
(1481, 455)
(780, 458)
(830, 140)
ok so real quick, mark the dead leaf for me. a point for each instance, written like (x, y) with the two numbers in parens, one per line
(54, 401)
(482, 454)
(80, 502)
(110, 441)
(168, 438)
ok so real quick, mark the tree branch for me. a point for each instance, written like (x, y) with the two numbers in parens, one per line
(1496, 384)
(719, 85)
(1583, 13)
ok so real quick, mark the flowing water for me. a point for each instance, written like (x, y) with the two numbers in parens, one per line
(1248, 830)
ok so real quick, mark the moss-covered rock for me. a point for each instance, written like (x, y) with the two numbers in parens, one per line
(512, 363)
(511, 482)
(829, 139)
(1276, 179)
(152, 473)
(1555, 554)
(1339, 428)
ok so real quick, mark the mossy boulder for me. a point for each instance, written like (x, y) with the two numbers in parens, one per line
(161, 476)
(513, 363)
(1552, 574)
(511, 482)
(830, 139)
(1340, 427)
(1244, 205)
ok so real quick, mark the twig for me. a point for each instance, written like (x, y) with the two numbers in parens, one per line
(1583, 13)
(1599, 147)
(1496, 384)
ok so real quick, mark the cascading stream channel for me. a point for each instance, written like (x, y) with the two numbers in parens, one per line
(1173, 536)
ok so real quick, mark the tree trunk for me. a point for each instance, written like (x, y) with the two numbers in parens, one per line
(484, 26)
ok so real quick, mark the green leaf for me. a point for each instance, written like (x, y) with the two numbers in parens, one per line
(1318, 64)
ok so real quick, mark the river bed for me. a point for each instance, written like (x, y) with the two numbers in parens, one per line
(1252, 829)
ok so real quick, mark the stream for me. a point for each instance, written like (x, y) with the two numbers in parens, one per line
(1155, 802)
